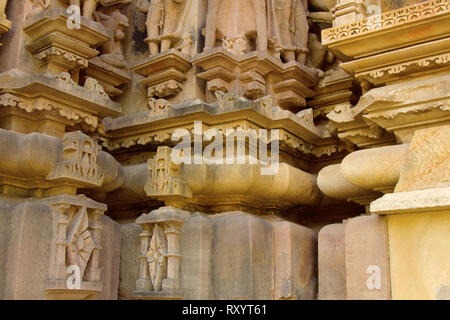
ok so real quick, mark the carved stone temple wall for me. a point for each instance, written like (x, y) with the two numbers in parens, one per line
(224, 150)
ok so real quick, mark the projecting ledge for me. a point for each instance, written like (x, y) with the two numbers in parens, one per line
(419, 201)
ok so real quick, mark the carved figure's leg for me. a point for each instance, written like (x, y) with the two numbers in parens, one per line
(301, 30)
(153, 25)
(261, 24)
(89, 7)
(211, 23)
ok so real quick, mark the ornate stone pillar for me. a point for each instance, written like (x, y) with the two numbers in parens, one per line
(173, 232)
(144, 284)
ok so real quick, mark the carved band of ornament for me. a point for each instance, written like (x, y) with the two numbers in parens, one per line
(372, 132)
(330, 149)
(286, 139)
(68, 56)
(428, 62)
(9, 100)
(437, 106)
(164, 136)
(386, 20)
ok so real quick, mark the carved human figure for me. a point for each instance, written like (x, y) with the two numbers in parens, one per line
(288, 28)
(319, 58)
(165, 21)
(38, 6)
(228, 21)
(89, 7)
(3, 4)
(112, 51)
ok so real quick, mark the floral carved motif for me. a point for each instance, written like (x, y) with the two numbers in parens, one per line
(398, 69)
(67, 56)
(80, 243)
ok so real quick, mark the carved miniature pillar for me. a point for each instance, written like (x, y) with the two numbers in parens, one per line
(59, 271)
(172, 231)
(144, 283)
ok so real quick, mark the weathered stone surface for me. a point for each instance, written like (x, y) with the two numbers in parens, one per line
(110, 260)
(331, 263)
(242, 257)
(196, 264)
(129, 259)
(295, 254)
(419, 246)
(437, 199)
(427, 164)
(25, 246)
(32, 256)
(367, 259)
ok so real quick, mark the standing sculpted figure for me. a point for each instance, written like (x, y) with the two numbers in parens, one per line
(288, 28)
(237, 23)
(165, 22)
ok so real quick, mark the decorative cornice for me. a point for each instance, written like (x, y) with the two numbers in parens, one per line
(43, 104)
(386, 20)
(405, 67)
(393, 114)
(68, 57)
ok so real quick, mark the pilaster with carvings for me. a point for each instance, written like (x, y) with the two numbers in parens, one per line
(160, 258)
(76, 247)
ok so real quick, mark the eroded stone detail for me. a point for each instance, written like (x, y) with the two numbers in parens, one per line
(79, 163)
(164, 177)
(427, 163)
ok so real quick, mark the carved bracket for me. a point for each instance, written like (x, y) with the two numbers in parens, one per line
(164, 179)
(79, 161)
(164, 73)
